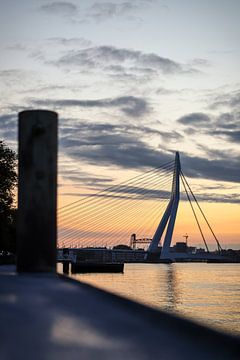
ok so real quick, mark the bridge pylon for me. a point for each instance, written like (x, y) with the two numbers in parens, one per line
(169, 217)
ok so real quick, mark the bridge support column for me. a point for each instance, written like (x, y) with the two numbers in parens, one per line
(165, 254)
(168, 218)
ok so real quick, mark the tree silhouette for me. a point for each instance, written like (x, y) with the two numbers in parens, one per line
(8, 180)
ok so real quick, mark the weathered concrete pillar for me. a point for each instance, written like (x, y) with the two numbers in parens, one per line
(37, 191)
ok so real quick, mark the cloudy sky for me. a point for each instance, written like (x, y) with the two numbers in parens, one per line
(132, 81)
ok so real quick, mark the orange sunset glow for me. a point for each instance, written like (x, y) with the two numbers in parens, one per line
(112, 221)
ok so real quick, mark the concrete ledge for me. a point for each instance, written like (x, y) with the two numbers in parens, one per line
(54, 317)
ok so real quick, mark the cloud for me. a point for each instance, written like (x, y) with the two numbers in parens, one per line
(200, 62)
(99, 11)
(128, 147)
(10, 77)
(143, 193)
(7, 119)
(233, 198)
(235, 100)
(225, 125)
(194, 119)
(16, 47)
(106, 10)
(102, 56)
(205, 193)
(129, 105)
(76, 41)
(131, 192)
(227, 121)
(104, 133)
(230, 100)
(224, 169)
(147, 192)
(128, 10)
(59, 8)
(105, 144)
(8, 128)
(137, 154)
(87, 179)
(233, 136)
(165, 91)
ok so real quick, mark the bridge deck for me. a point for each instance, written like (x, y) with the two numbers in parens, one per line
(52, 317)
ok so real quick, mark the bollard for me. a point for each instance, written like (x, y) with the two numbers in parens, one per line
(37, 191)
(66, 267)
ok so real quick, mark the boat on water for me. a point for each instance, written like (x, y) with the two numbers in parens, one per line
(87, 267)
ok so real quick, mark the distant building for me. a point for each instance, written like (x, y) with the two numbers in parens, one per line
(200, 250)
(101, 255)
(180, 247)
(122, 247)
(192, 249)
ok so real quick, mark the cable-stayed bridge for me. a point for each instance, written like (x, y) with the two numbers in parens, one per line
(146, 205)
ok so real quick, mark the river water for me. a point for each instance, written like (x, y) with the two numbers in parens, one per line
(207, 293)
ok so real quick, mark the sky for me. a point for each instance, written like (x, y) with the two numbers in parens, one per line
(132, 82)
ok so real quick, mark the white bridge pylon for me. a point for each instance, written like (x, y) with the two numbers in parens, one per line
(169, 216)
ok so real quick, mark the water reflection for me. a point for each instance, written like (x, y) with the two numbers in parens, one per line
(171, 289)
(209, 293)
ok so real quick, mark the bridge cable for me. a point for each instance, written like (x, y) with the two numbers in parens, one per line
(165, 166)
(194, 213)
(98, 197)
(70, 234)
(132, 221)
(113, 216)
(133, 190)
(217, 241)
(139, 194)
(110, 230)
(96, 217)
